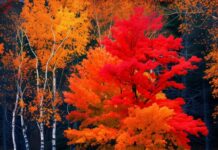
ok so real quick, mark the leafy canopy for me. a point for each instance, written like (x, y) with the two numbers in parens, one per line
(119, 99)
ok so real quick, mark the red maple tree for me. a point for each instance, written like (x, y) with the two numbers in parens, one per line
(144, 117)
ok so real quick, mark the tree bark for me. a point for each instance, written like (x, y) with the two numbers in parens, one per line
(14, 121)
(41, 130)
(54, 135)
(24, 132)
(54, 119)
(24, 129)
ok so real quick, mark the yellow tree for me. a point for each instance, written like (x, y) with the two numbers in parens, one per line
(55, 30)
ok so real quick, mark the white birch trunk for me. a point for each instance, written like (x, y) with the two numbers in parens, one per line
(42, 142)
(54, 119)
(20, 36)
(54, 135)
(14, 121)
(24, 128)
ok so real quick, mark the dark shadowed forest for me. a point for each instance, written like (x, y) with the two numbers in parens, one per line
(108, 75)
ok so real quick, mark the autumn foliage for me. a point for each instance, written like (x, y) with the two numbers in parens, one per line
(118, 93)
(104, 11)
(63, 30)
(212, 66)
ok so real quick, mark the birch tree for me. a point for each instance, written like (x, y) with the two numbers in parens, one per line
(55, 30)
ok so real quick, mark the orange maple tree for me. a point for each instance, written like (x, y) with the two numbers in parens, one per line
(121, 104)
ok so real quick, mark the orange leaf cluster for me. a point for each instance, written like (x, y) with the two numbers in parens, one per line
(146, 128)
(99, 135)
(21, 103)
(89, 83)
